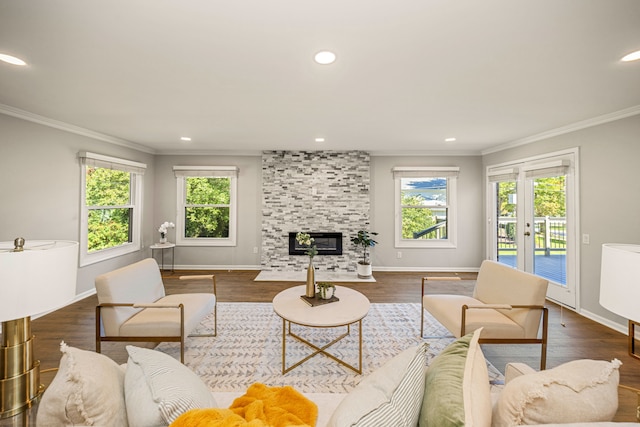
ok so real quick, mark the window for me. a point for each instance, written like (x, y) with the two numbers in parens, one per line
(206, 205)
(425, 206)
(111, 203)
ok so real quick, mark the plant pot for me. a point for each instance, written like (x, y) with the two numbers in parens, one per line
(364, 271)
(326, 293)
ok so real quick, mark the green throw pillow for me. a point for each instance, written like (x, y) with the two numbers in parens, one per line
(442, 404)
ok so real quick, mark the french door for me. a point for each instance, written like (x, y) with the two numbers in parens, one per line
(533, 220)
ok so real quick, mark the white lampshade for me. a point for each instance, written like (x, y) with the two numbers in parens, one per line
(620, 279)
(41, 278)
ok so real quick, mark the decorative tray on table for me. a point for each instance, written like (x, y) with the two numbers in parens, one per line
(315, 301)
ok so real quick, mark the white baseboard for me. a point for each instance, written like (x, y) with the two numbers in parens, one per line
(216, 267)
(375, 268)
(428, 269)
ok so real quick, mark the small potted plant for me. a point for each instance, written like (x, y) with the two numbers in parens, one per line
(326, 290)
(365, 240)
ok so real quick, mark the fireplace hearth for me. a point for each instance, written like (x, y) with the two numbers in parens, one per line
(326, 243)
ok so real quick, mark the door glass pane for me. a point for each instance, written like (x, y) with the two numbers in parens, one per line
(507, 227)
(550, 228)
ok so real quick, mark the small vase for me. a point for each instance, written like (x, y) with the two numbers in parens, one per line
(163, 238)
(311, 280)
(327, 293)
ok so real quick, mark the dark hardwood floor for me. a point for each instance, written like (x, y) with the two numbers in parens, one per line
(570, 336)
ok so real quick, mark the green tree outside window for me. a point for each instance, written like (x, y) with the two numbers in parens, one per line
(108, 201)
(207, 207)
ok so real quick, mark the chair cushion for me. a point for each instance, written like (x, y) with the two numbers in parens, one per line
(579, 391)
(447, 309)
(158, 389)
(457, 389)
(166, 321)
(501, 284)
(390, 396)
(88, 389)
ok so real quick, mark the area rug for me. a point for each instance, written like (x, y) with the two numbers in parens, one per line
(248, 348)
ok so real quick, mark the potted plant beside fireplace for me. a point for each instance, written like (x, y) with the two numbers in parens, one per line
(364, 239)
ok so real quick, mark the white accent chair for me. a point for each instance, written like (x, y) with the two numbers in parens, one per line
(133, 306)
(507, 303)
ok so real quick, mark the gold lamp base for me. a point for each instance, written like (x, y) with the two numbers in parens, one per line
(20, 384)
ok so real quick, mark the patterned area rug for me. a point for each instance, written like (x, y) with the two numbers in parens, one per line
(248, 348)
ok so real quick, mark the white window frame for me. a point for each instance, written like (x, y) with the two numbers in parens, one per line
(136, 171)
(182, 172)
(449, 172)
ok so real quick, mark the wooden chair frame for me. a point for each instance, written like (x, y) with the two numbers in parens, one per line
(148, 306)
(542, 340)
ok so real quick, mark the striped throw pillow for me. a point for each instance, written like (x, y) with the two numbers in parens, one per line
(158, 388)
(390, 396)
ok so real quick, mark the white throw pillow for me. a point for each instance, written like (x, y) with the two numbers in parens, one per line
(575, 392)
(158, 388)
(87, 390)
(390, 396)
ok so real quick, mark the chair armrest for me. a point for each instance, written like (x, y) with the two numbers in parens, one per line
(154, 305)
(200, 277)
(138, 305)
(491, 306)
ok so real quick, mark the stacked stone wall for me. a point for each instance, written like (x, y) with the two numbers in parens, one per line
(313, 191)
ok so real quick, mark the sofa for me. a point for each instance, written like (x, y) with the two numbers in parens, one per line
(154, 389)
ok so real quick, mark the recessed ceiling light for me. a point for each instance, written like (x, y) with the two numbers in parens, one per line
(185, 138)
(325, 57)
(320, 139)
(449, 139)
(11, 59)
(633, 56)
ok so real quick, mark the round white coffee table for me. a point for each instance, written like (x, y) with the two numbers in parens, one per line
(351, 308)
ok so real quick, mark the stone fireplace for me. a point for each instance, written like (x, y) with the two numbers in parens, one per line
(312, 191)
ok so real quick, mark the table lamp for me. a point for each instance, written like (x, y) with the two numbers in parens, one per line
(35, 277)
(620, 284)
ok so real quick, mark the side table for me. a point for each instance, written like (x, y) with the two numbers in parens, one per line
(161, 247)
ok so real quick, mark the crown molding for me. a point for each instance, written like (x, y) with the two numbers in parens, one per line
(56, 124)
(584, 124)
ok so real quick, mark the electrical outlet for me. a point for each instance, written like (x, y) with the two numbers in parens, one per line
(585, 239)
(399, 254)
(255, 249)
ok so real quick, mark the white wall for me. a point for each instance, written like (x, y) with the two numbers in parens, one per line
(40, 187)
(249, 211)
(40, 196)
(469, 251)
(609, 198)
(467, 255)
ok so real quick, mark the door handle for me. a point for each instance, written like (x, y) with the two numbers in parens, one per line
(526, 233)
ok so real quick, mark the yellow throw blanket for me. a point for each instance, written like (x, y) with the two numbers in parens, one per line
(260, 406)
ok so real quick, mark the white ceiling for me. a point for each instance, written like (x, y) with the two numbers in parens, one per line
(238, 75)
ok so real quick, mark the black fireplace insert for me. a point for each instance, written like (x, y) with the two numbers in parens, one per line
(326, 243)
